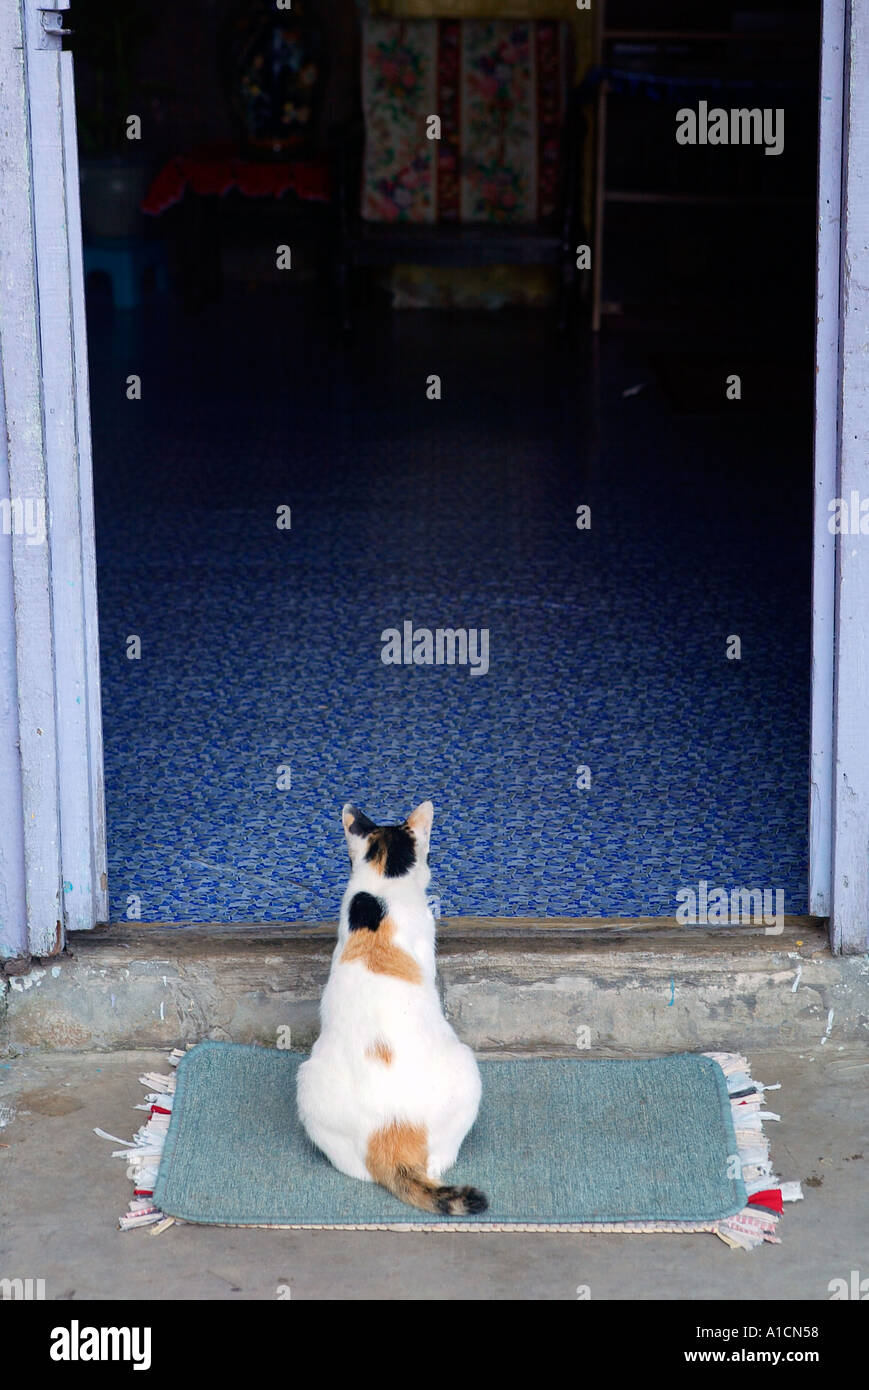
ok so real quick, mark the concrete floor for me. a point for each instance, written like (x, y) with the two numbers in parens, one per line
(62, 1194)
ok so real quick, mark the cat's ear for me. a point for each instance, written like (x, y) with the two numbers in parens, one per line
(419, 821)
(357, 828)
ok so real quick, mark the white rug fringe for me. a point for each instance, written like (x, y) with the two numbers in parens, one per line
(755, 1223)
(745, 1230)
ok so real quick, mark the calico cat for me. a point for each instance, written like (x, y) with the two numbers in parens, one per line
(389, 1092)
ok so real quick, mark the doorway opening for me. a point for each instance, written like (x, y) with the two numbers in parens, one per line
(615, 528)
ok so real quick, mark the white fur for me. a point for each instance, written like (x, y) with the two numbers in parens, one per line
(433, 1080)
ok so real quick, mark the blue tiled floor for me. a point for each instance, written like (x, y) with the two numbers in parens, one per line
(262, 648)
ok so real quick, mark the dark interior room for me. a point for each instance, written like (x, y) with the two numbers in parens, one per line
(539, 370)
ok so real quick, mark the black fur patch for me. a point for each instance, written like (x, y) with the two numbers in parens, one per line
(366, 912)
(360, 825)
(461, 1201)
(400, 848)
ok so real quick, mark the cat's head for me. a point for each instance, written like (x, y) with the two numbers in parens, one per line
(392, 851)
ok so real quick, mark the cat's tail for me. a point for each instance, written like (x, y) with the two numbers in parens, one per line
(397, 1156)
(417, 1190)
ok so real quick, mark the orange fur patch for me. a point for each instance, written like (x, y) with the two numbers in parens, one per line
(380, 1051)
(398, 1145)
(377, 843)
(377, 951)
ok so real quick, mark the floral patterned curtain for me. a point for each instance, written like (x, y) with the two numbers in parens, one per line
(582, 22)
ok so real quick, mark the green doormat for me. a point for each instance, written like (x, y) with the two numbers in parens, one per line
(671, 1144)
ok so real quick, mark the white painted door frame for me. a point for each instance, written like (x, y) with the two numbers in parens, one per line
(53, 863)
(839, 801)
(52, 837)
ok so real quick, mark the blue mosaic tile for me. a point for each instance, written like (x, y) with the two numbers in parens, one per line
(607, 647)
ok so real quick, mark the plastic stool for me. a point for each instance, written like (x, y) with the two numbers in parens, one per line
(125, 260)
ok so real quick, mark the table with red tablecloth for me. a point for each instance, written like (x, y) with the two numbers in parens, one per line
(199, 182)
(215, 171)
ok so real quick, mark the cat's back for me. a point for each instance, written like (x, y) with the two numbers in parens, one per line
(383, 972)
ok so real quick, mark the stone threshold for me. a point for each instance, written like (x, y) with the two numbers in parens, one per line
(638, 985)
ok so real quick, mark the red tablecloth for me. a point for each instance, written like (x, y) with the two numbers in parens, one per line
(218, 173)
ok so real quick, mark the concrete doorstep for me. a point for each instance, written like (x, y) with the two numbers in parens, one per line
(638, 987)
